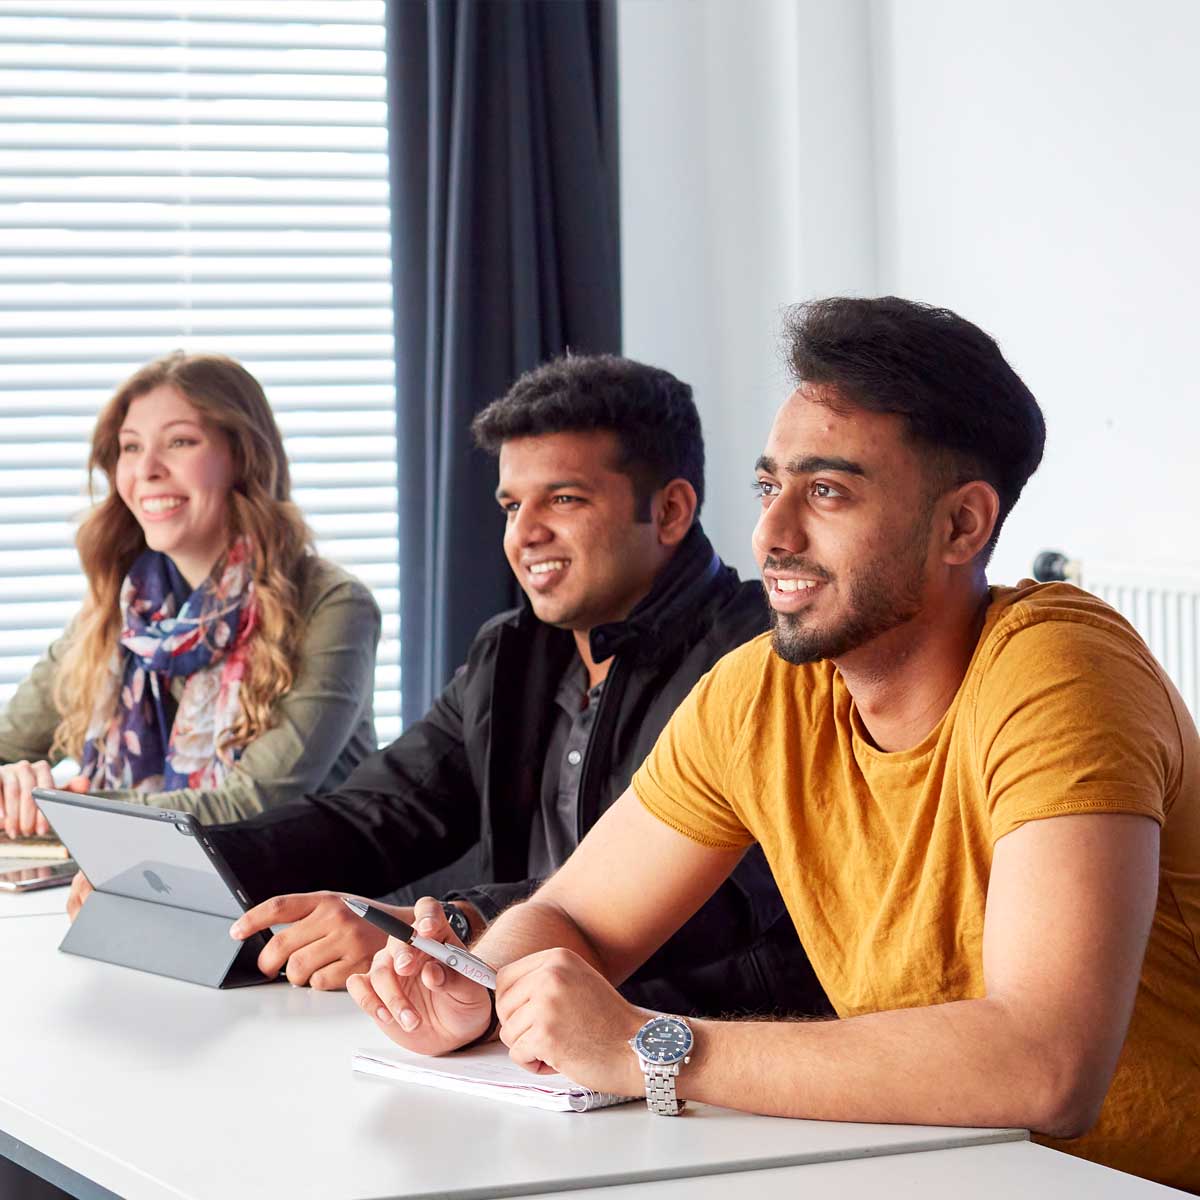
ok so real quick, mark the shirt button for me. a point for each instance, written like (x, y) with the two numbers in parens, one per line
(574, 758)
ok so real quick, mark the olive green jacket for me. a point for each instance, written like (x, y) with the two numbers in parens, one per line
(321, 729)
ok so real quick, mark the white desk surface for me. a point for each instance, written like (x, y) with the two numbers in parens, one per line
(995, 1172)
(154, 1088)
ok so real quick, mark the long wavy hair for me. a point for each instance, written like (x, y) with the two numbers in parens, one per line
(230, 400)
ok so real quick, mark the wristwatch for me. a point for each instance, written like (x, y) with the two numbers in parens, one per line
(662, 1045)
(459, 924)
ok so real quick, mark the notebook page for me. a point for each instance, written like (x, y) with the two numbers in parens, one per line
(484, 1071)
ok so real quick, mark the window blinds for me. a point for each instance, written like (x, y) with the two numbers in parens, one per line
(203, 175)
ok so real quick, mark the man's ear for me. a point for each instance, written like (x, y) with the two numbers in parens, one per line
(674, 511)
(972, 511)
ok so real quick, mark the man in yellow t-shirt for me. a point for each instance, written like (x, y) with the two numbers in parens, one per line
(981, 804)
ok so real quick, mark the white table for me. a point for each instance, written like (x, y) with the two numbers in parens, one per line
(993, 1172)
(152, 1088)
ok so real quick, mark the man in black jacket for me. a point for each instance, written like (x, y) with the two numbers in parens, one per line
(627, 605)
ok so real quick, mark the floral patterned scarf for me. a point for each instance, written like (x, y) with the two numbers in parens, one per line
(139, 738)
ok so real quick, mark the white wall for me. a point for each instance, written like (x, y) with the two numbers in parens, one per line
(733, 205)
(1039, 171)
(1033, 166)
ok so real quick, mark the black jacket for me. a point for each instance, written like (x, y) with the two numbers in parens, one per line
(470, 772)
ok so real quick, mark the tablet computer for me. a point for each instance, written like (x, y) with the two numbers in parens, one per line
(162, 892)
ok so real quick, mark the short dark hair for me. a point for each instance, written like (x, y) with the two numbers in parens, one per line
(943, 375)
(651, 413)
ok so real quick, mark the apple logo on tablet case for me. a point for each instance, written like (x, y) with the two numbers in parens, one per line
(155, 881)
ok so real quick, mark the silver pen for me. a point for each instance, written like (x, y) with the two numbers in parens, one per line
(454, 957)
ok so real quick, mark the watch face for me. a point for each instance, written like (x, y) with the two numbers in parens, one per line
(664, 1040)
(458, 922)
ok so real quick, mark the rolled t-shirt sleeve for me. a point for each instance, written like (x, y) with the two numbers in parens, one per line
(1073, 720)
(683, 780)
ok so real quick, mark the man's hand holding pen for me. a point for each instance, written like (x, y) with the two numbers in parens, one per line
(416, 1001)
(556, 1011)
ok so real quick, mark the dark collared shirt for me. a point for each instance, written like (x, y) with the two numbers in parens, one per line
(555, 824)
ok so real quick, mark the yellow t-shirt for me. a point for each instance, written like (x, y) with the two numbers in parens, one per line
(883, 859)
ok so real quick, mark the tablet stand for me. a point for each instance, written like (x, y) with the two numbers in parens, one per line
(163, 940)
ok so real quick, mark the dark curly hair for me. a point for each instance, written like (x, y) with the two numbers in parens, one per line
(961, 400)
(650, 411)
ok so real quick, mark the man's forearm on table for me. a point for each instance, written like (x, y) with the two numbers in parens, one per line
(966, 1063)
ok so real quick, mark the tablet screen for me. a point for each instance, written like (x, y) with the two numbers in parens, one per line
(143, 853)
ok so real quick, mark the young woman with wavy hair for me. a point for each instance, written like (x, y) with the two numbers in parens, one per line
(217, 664)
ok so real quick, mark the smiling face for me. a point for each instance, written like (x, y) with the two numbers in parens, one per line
(570, 534)
(175, 473)
(844, 537)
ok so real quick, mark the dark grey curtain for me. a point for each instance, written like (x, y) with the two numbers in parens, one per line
(502, 120)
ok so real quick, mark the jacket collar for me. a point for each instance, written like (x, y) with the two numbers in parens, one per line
(693, 573)
(670, 605)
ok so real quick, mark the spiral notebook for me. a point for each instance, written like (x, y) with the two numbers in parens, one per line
(485, 1071)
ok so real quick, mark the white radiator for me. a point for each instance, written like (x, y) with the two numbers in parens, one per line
(1163, 606)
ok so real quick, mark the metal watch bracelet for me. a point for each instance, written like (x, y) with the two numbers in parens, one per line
(660, 1090)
